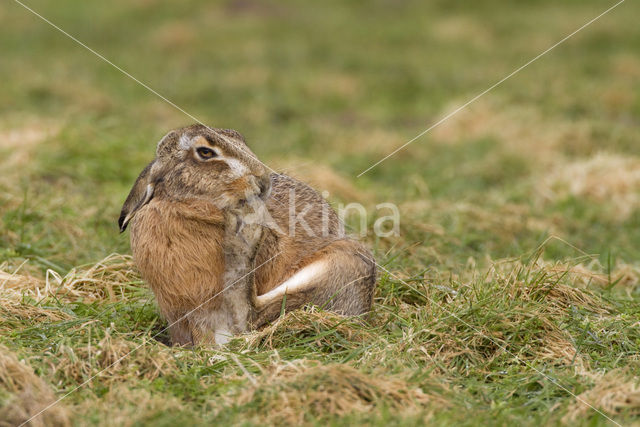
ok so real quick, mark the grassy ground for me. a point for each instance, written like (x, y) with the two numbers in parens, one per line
(515, 283)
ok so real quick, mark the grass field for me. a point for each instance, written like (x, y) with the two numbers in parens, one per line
(513, 291)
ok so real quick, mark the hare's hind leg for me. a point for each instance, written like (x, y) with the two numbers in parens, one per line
(179, 330)
(340, 277)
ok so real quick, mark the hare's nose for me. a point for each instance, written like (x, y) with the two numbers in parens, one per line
(264, 183)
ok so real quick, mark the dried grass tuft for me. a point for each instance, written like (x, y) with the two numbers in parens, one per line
(473, 350)
(28, 395)
(513, 310)
(609, 179)
(290, 393)
(11, 309)
(522, 130)
(114, 360)
(108, 279)
(615, 393)
(546, 283)
(20, 142)
(325, 329)
(623, 276)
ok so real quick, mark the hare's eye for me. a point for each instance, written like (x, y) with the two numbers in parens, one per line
(206, 153)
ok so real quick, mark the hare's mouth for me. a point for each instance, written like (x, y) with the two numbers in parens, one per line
(126, 215)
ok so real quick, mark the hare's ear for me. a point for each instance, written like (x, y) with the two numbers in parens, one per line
(139, 196)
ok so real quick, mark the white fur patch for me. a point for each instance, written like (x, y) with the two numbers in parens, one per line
(185, 142)
(301, 280)
(223, 336)
(236, 166)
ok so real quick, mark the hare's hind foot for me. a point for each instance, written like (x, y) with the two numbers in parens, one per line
(340, 277)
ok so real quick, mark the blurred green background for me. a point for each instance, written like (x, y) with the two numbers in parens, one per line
(331, 84)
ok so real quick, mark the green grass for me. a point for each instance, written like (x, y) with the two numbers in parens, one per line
(515, 280)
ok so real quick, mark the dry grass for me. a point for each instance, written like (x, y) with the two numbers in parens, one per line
(456, 346)
(109, 279)
(11, 309)
(28, 394)
(545, 285)
(521, 303)
(304, 390)
(17, 143)
(624, 276)
(444, 351)
(511, 311)
(297, 325)
(522, 130)
(113, 360)
(614, 393)
(611, 180)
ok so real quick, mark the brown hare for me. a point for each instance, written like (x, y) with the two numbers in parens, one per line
(225, 245)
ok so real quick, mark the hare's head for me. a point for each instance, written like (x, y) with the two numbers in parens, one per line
(198, 162)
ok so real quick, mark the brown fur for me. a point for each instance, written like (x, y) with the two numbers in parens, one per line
(177, 248)
(195, 239)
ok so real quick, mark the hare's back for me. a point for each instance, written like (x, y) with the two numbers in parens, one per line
(293, 200)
